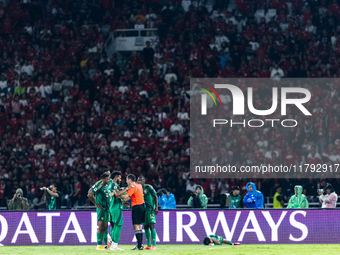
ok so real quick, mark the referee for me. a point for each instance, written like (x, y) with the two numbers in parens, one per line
(134, 191)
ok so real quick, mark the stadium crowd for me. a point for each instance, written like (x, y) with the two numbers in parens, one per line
(68, 111)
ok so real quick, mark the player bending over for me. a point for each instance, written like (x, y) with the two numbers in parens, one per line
(217, 240)
(99, 196)
(151, 204)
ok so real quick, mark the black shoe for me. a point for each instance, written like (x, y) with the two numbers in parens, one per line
(138, 248)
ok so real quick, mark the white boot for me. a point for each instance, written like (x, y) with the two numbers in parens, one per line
(114, 247)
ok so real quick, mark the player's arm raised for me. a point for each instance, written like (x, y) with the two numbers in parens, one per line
(130, 190)
(51, 192)
(124, 203)
(90, 195)
(125, 197)
(120, 193)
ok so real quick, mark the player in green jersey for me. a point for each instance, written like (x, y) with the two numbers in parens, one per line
(53, 194)
(217, 240)
(151, 205)
(99, 196)
(107, 238)
(116, 206)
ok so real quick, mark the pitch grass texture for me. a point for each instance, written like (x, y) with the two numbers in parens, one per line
(190, 249)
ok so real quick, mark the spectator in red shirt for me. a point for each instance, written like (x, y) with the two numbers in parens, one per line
(76, 196)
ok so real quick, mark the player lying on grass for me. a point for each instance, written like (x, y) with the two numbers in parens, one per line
(217, 240)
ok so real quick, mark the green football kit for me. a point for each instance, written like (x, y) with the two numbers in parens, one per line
(102, 199)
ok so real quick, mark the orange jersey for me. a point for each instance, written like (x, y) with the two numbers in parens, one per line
(136, 194)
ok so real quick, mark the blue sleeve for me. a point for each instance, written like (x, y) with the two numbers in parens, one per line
(160, 201)
(168, 201)
(172, 202)
(245, 203)
(165, 199)
(260, 200)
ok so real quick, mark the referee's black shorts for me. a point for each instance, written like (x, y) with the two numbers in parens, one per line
(138, 214)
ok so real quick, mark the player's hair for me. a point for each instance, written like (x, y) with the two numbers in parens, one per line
(103, 176)
(131, 177)
(115, 173)
(141, 177)
(329, 186)
(168, 189)
(206, 241)
(54, 184)
(105, 170)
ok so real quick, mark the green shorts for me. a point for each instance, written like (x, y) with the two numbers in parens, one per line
(117, 217)
(103, 215)
(150, 216)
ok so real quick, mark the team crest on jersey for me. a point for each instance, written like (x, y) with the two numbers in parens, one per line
(145, 191)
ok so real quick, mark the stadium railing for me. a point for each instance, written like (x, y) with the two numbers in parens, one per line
(267, 205)
(313, 205)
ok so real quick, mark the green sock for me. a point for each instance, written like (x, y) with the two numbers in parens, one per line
(105, 237)
(111, 232)
(230, 243)
(99, 239)
(116, 233)
(147, 237)
(153, 235)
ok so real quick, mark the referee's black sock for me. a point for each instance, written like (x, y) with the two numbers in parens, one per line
(139, 237)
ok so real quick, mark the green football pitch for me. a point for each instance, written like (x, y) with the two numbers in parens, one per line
(247, 249)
